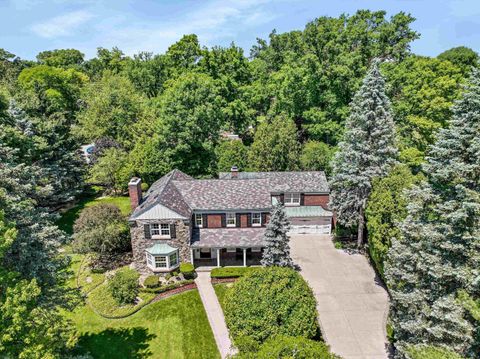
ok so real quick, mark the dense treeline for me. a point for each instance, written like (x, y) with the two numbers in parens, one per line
(288, 101)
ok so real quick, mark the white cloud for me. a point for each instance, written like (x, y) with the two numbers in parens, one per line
(62, 25)
(211, 21)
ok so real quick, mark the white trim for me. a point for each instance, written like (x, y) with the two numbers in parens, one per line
(231, 250)
(197, 216)
(294, 198)
(152, 261)
(260, 217)
(232, 215)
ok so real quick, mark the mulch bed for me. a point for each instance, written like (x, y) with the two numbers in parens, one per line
(223, 280)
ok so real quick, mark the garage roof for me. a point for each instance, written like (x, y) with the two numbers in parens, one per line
(307, 211)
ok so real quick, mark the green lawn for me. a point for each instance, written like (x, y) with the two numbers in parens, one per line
(220, 290)
(68, 218)
(176, 327)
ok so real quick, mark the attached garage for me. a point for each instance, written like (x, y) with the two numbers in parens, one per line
(309, 220)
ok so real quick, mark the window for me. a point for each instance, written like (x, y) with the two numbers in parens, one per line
(230, 219)
(198, 220)
(173, 259)
(160, 230)
(163, 261)
(160, 262)
(256, 219)
(292, 199)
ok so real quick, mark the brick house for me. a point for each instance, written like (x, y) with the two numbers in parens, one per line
(218, 222)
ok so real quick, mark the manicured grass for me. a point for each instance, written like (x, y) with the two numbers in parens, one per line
(176, 327)
(103, 302)
(67, 219)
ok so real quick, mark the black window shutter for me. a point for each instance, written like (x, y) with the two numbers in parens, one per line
(237, 220)
(249, 219)
(224, 219)
(173, 231)
(146, 231)
(302, 199)
(204, 221)
(282, 198)
(264, 219)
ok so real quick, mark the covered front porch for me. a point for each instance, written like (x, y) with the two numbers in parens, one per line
(220, 247)
(226, 257)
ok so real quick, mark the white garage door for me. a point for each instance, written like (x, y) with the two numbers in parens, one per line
(309, 225)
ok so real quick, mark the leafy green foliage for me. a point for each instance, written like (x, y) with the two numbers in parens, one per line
(430, 352)
(461, 56)
(231, 153)
(112, 106)
(64, 58)
(386, 208)
(111, 170)
(275, 146)
(316, 156)
(285, 347)
(101, 229)
(270, 301)
(123, 286)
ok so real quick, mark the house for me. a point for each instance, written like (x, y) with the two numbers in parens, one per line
(220, 221)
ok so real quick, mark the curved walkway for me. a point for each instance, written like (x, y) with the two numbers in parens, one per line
(214, 314)
(352, 305)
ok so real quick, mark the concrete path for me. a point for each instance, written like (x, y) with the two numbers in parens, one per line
(352, 306)
(214, 314)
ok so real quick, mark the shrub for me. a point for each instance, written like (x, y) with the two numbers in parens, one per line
(151, 281)
(231, 272)
(271, 301)
(101, 229)
(285, 347)
(430, 352)
(188, 270)
(123, 286)
(167, 287)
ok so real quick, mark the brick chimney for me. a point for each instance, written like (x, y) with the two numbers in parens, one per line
(234, 172)
(135, 192)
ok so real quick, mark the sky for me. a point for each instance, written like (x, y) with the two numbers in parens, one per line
(30, 26)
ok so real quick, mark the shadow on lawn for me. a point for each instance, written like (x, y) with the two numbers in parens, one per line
(128, 343)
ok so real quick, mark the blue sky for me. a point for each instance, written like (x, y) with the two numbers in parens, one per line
(30, 26)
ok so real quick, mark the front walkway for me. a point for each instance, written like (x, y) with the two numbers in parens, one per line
(352, 305)
(214, 314)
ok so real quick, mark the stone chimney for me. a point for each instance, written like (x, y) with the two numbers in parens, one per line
(135, 192)
(234, 172)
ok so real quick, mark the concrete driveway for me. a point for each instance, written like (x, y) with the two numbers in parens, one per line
(352, 306)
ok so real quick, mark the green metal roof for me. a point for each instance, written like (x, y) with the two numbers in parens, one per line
(307, 211)
(161, 249)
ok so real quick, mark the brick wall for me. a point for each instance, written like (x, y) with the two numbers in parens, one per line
(316, 200)
(243, 220)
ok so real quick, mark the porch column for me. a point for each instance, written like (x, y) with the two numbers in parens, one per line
(191, 255)
(244, 257)
(218, 257)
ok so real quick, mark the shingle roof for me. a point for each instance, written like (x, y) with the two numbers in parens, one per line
(165, 193)
(225, 194)
(227, 237)
(301, 181)
(181, 193)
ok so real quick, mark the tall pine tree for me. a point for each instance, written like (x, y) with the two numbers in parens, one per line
(437, 255)
(277, 248)
(367, 151)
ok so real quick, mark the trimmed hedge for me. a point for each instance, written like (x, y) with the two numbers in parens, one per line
(188, 270)
(430, 352)
(267, 302)
(152, 281)
(164, 288)
(285, 347)
(231, 272)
